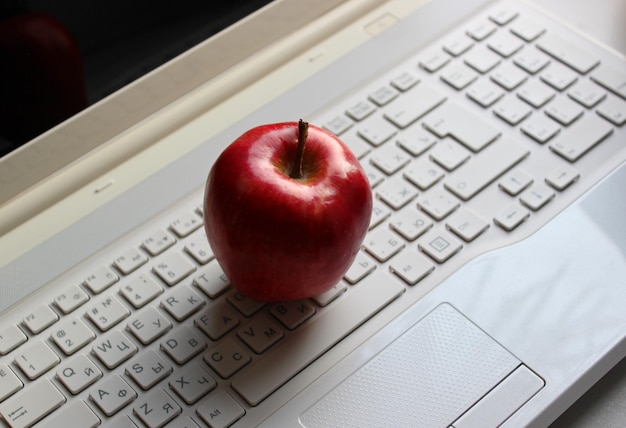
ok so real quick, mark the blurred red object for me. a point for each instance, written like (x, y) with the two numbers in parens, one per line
(41, 76)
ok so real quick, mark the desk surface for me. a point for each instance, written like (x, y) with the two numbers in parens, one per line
(604, 404)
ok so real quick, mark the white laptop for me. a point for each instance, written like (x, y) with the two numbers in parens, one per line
(490, 289)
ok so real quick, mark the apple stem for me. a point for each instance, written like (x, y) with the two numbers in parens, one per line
(303, 132)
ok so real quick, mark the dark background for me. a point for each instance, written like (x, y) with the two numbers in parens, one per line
(118, 41)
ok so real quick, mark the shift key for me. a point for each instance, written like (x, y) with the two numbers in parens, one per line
(487, 166)
(314, 338)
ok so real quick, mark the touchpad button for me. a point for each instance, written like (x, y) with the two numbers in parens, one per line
(429, 376)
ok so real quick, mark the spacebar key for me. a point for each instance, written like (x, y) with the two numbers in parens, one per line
(313, 339)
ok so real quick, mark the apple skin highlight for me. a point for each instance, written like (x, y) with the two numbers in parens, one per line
(280, 238)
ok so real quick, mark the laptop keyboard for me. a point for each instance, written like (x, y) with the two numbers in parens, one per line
(465, 145)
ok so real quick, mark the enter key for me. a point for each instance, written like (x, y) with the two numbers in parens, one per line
(452, 120)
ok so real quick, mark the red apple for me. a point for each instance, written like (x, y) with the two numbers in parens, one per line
(286, 208)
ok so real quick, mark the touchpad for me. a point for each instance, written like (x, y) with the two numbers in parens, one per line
(431, 375)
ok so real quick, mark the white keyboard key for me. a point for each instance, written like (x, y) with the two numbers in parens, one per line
(535, 93)
(503, 16)
(531, 60)
(568, 53)
(586, 93)
(71, 335)
(374, 175)
(173, 268)
(410, 224)
(356, 144)
(260, 334)
(331, 294)
(467, 224)
(338, 124)
(383, 95)
(414, 104)
(112, 394)
(101, 279)
(396, 192)
(185, 224)
(433, 60)
(512, 110)
(70, 299)
(191, 382)
(198, 247)
(382, 244)
(390, 159)
(558, 76)
(515, 181)
(114, 349)
(511, 217)
(184, 422)
(182, 302)
(360, 110)
(140, 290)
(438, 204)
(10, 338)
(107, 312)
(456, 45)
(405, 81)
(564, 111)
(156, 409)
(527, 29)
(129, 261)
(217, 319)
(562, 177)
(411, 266)
(540, 128)
(75, 414)
(376, 131)
(227, 357)
(243, 303)
(613, 110)
(613, 79)
(371, 295)
(485, 93)
(481, 29)
(158, 242)
(537, 196)
(581, 137)
(485, 168)
(380, 213)
(32, 404)
(508, 76)
(220, 410)
(423, 173)
(148, 325)
(293, 313)
(9, 382)
(362, 266)
(78, 374)
(182, 344)
(39, 319)
(452, 120)
(36, 359)
(505, 44)
(481, 59)
(449, 154)
(458, 76)
(147, 369)
(212, 280)
(440, 245)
